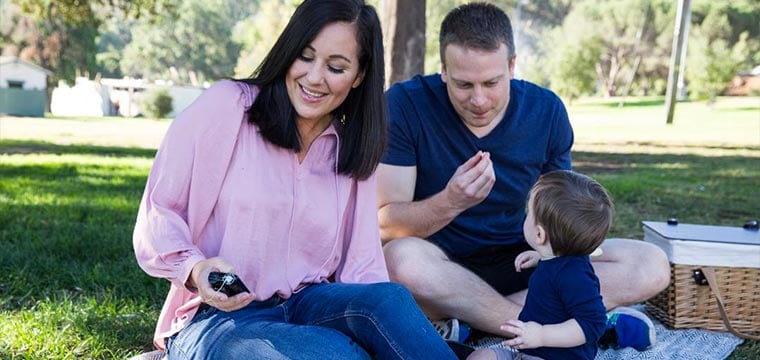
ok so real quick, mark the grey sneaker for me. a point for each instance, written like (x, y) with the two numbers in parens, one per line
(452, 330)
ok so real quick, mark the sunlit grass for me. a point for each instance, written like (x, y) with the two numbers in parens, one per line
(69, 285)
(76, 326)
(733, 122)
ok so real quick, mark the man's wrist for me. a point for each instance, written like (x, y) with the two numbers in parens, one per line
(442, 205)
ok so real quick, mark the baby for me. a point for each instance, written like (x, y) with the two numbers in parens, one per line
(569, 215)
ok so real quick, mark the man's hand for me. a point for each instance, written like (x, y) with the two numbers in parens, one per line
(528, 335)
(199, 279)
(471, 182)
(526, 259)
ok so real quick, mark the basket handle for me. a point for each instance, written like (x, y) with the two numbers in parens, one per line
(713, 282)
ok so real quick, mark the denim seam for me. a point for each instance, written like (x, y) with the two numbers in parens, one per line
(392, 344)
(176, 349)
(199, 316)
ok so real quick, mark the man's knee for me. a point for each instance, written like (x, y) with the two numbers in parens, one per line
(410, 263)
(641, 266)
(660, 274)
(400, 255)
(652, 266)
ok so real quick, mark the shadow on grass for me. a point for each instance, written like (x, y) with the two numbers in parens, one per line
(746, 108)
(41, 147)
(595, 162)
(636, 103)
(660, 145)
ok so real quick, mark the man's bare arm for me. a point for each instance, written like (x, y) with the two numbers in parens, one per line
(400, 216)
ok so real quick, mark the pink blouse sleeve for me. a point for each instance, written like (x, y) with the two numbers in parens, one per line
(363, 260)
(183, 183)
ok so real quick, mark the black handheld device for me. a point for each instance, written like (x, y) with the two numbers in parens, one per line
(227, 283)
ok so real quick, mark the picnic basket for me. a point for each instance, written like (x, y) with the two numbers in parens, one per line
(715, 278)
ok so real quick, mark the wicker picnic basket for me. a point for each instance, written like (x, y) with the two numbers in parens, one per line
(715, 284)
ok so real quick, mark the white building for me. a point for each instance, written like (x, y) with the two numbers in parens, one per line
(23, 87)
(19, 74)
(114, 97)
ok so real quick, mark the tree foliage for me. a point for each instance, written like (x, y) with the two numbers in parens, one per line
(577, 47)
(80, 12)
(257, 33)
(61, 35)
(723, 41)
(572, 70)
(624, 31)
(197, 45)
(636, 38)
(63, 47)
(114, 36)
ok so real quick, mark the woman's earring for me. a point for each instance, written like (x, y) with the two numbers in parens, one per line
(343, 119)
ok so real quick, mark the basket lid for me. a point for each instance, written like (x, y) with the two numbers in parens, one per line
(709, 233)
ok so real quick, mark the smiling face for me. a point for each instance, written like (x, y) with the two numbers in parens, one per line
(477, 82)
(320, 79)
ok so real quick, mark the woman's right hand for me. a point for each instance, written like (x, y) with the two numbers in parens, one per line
(199, 280)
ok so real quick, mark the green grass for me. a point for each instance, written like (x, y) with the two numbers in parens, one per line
(693, 188)
(71, 289)
(69, 285)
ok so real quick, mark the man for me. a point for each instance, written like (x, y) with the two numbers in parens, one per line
(465, 148)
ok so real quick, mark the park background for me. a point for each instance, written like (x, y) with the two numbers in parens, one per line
(70, 187)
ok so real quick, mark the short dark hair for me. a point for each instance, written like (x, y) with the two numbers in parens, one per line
(574, 210)
(363, 137)
(477, 26)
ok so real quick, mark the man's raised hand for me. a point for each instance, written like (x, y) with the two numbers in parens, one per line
(471, 182)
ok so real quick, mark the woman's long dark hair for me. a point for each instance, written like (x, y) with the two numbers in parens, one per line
(363, 137)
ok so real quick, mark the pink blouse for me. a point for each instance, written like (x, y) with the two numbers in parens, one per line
(218, 188)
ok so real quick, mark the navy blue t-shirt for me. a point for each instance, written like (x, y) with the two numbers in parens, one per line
(561, 289)
(534, 137)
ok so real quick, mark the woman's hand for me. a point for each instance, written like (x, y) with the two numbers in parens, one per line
(199, 280)
(526, 259)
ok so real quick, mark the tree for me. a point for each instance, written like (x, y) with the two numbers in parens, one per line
(197, 44)
(78, 12)
(404, 30)
(713, 60)
(63, 47)
(114, 36)
(572, 70)
(257, 33)
(61, 35)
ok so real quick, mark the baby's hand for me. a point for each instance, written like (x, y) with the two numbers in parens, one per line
(526, 259)
(527, 334)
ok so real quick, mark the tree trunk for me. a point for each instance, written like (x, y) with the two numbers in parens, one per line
(684, 8)
(404, 41)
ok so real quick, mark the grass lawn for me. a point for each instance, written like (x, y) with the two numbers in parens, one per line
(71, 289)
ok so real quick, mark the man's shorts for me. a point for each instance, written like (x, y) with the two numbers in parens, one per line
(496, 266)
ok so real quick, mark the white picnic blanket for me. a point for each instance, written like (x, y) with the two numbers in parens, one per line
(685, 344)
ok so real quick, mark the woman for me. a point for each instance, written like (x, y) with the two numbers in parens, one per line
(271, 178)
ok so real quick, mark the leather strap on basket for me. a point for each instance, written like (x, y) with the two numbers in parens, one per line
(713, 282)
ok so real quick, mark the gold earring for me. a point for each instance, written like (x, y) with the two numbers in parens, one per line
(343, 119)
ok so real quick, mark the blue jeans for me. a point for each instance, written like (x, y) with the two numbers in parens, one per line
(322, 321)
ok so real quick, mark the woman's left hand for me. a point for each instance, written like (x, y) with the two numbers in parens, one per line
(219, 300)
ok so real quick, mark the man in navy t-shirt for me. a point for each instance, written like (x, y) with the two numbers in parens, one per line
(465, 148)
